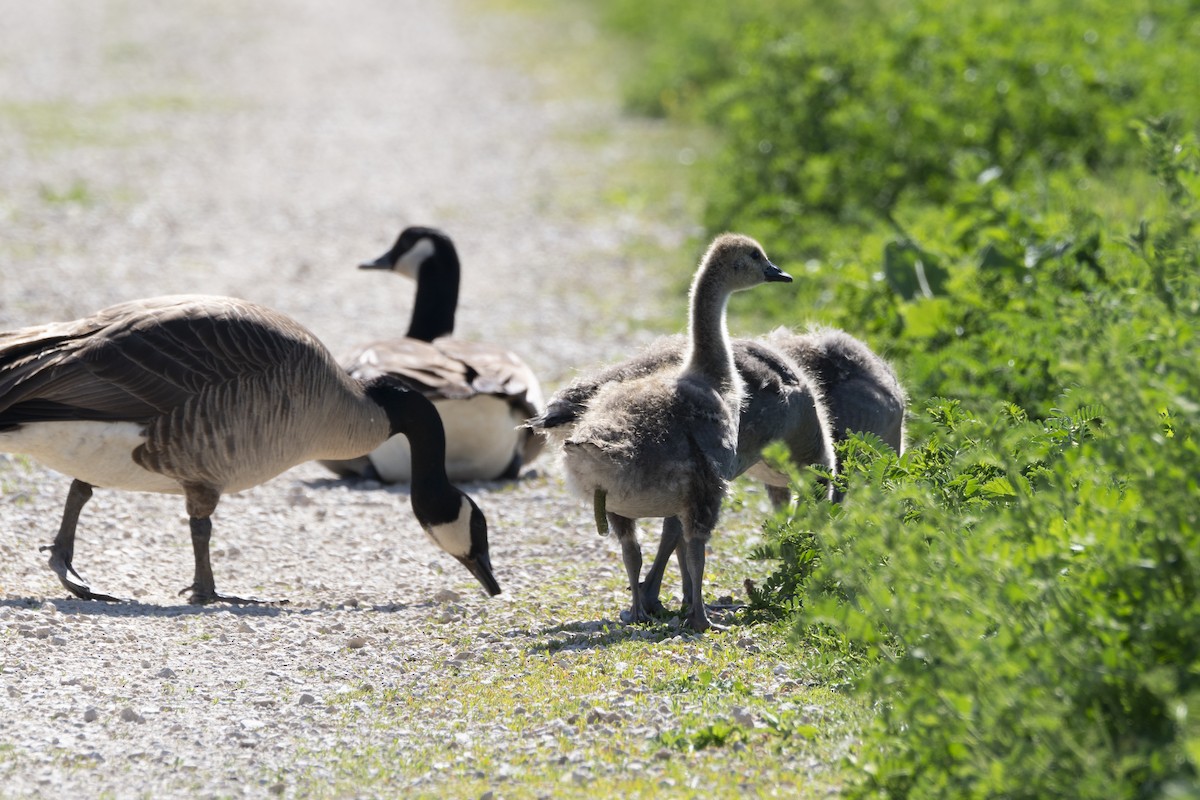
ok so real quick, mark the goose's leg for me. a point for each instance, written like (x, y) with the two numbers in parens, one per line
(779, 496)
(631, 554)
(672, 535)
(685, 575)
(62, 552)
(697, 529)
(694, 557)
(201, 502)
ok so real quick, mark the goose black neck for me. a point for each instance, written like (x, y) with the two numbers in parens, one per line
(437, 293)
(411, 414)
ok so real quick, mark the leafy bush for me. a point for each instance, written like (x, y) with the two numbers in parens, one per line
(1030, 590)
(1002, 198)
(845, 110)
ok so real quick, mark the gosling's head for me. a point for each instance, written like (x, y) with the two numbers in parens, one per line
(740, 263)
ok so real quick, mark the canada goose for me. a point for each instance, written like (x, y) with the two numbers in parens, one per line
(200, 396)
(665, 444)
(852, 389)
(808, 390)
(782, 403)
(483, 392)
(862, 393)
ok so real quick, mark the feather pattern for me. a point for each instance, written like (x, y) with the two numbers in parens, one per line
(664, 442)
(483, 391)
(200, 396)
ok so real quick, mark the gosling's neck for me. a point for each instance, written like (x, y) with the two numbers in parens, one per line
(710, 355)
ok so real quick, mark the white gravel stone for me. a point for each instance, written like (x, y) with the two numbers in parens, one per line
(262, 150)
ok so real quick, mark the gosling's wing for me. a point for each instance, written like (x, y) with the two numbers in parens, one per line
(568, 404)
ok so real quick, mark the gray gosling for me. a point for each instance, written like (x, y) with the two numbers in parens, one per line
(201, 396)
(483, 392)
(862, 393)
(807, 390)
(665, 444)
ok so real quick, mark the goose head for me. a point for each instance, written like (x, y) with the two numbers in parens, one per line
(448, 515)
(465, 538)
(738, 262)
(428, 256)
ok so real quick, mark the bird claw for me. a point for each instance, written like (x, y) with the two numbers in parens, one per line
(634, 616)
(204, 598)
(64, 570)
(652, 604)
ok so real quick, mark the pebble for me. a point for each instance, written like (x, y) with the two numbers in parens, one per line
(264, 183)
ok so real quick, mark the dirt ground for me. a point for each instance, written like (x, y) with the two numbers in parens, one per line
(261, 150)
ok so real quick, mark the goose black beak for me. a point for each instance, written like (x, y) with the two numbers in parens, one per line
(383, 262)
(481, 568)
(775, 275)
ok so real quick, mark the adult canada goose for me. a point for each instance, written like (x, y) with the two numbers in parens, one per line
(200, 396)
(665, 444)
(483, 392)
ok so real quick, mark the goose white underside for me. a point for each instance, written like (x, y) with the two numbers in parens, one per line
(481, 440)
(626, 494)
(100, 453)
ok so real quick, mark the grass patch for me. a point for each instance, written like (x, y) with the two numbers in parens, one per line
(645, 716)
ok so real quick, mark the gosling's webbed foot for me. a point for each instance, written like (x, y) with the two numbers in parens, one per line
(651, 603)
(203, 598)
(701, 621)
(634, 615)
(64, 570)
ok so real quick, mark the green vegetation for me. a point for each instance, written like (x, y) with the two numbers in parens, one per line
(1003, 198)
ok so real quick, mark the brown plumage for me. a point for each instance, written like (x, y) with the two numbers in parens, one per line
(483, 391)
(200, 396)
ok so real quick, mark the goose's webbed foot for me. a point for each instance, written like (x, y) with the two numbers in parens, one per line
(650, 600)
(62, 567)
(202, 597)
(634, 615)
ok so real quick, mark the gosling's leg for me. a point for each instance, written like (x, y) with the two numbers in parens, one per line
(672, 535)
(779, 496)
(201, 502)
(698, 526)
(694, 558)
(62, 551)
(631, 554)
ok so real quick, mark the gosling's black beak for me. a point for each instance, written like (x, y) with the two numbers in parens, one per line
(481, 568)
(383, 262)
(775, 275)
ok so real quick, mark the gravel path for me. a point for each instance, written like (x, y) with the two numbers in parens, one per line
(260, 150)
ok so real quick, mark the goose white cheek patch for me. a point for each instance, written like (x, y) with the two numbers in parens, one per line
(410, 262)
(455, 537)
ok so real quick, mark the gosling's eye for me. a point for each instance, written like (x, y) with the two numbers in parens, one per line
(756, 255)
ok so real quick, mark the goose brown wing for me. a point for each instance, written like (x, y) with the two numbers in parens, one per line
(139, 360)
(490, 369)
(414, 363)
